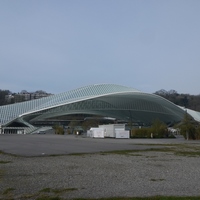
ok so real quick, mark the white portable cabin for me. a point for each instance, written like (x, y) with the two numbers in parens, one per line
(96, 133)
(115, 130)
(122, 134)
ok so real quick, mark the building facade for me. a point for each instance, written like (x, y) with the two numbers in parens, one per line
(101, 100)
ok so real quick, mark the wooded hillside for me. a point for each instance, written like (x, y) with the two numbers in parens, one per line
(185, 100)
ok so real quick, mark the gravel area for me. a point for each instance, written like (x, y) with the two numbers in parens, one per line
(143, 173)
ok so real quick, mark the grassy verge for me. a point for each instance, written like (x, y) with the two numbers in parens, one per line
(176, 149)
(57, 191)
(145, 198)
(9, 154)
(125, 198)
(4, 162)
(8, 191)
(191, 150)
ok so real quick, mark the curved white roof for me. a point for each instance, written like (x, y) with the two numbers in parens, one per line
(195, 115)
(10, 112)
(108, 100)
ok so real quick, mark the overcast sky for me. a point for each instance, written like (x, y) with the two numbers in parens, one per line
(60, 45)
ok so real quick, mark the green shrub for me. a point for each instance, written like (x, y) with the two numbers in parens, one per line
(157, 130)
(197, 133)
(189, 128)
(140, 133)
(58, 130)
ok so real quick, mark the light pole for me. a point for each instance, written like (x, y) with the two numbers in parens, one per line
(186, 121)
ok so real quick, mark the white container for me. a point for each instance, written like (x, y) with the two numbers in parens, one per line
(110, 129)
(96, 133)
(122, 134)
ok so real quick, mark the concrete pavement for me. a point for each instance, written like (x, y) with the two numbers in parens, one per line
(50, 144)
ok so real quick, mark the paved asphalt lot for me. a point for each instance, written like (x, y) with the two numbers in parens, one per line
(50, 144)
(138, 174)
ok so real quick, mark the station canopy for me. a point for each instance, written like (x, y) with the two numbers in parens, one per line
(106, 100)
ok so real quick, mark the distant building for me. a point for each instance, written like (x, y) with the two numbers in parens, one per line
(25, 96)
(9, 98)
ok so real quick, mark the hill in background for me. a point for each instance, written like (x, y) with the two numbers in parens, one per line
(184, 100)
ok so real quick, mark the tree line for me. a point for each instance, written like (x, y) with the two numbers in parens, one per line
(3, 94)
(184, 100)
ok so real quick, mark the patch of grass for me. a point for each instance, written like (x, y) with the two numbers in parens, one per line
(121, 152)
(80, 154)
(44, 197)
(161, 149)
(150, 156)
(48, 194)
(1, 152)
(4, 162)
(144, 198)
(45, 190)
(177, 149)
(9, 154)
(188, 153)
(8, 191)
(57, 191)
(53, 155)
(24, 175)
(70, 154)
(189, 150)
(134, 154)
(160, 179)
(184, 145)
(180, 151)
(28, 196)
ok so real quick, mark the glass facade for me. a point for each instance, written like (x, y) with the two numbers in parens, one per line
(106, 100)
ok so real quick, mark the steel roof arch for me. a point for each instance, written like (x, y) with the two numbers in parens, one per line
(151, 103)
